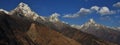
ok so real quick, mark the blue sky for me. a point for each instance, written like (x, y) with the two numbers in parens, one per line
(77, 12)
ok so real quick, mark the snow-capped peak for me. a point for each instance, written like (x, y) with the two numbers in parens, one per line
(4, 11)
(54, 17)
(23, 6)
(24, 10)
(91, 21)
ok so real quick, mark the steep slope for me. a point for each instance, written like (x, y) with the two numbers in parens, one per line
(101, 31)
(45, 36)
(22, 26)
(81, 37)
(73, 33)
(13, 32)
(24, 32)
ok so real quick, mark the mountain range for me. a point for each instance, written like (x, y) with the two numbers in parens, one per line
(22, 26)
(101, 31)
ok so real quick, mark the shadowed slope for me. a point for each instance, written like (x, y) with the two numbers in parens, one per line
(45, 36)
(83, 38)
(20, 31)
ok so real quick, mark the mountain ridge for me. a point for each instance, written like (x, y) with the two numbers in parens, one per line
(101, 31)
(21, 28)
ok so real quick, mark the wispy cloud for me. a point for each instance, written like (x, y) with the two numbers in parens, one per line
(117, 5)
(71, 16)
(106, 18)
(82, 11)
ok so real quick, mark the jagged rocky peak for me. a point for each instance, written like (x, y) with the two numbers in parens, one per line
(24, 10)
(54, 17)
(23, 6)
(4, 11)
(91, 21)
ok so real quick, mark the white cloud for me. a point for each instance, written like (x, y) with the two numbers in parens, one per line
(70, 16)
(117, 5)
(95, 8)
(82, 11)
(106, 11)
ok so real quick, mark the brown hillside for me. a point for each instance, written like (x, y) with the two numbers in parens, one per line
(83, 38)
(44, 36)
(20, 31)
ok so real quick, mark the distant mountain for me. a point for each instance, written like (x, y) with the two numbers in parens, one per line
(23, 10)
(101, 31)
(78, 35)
(24, 32)
(118, 28)
(54, 17)
(22, 26)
